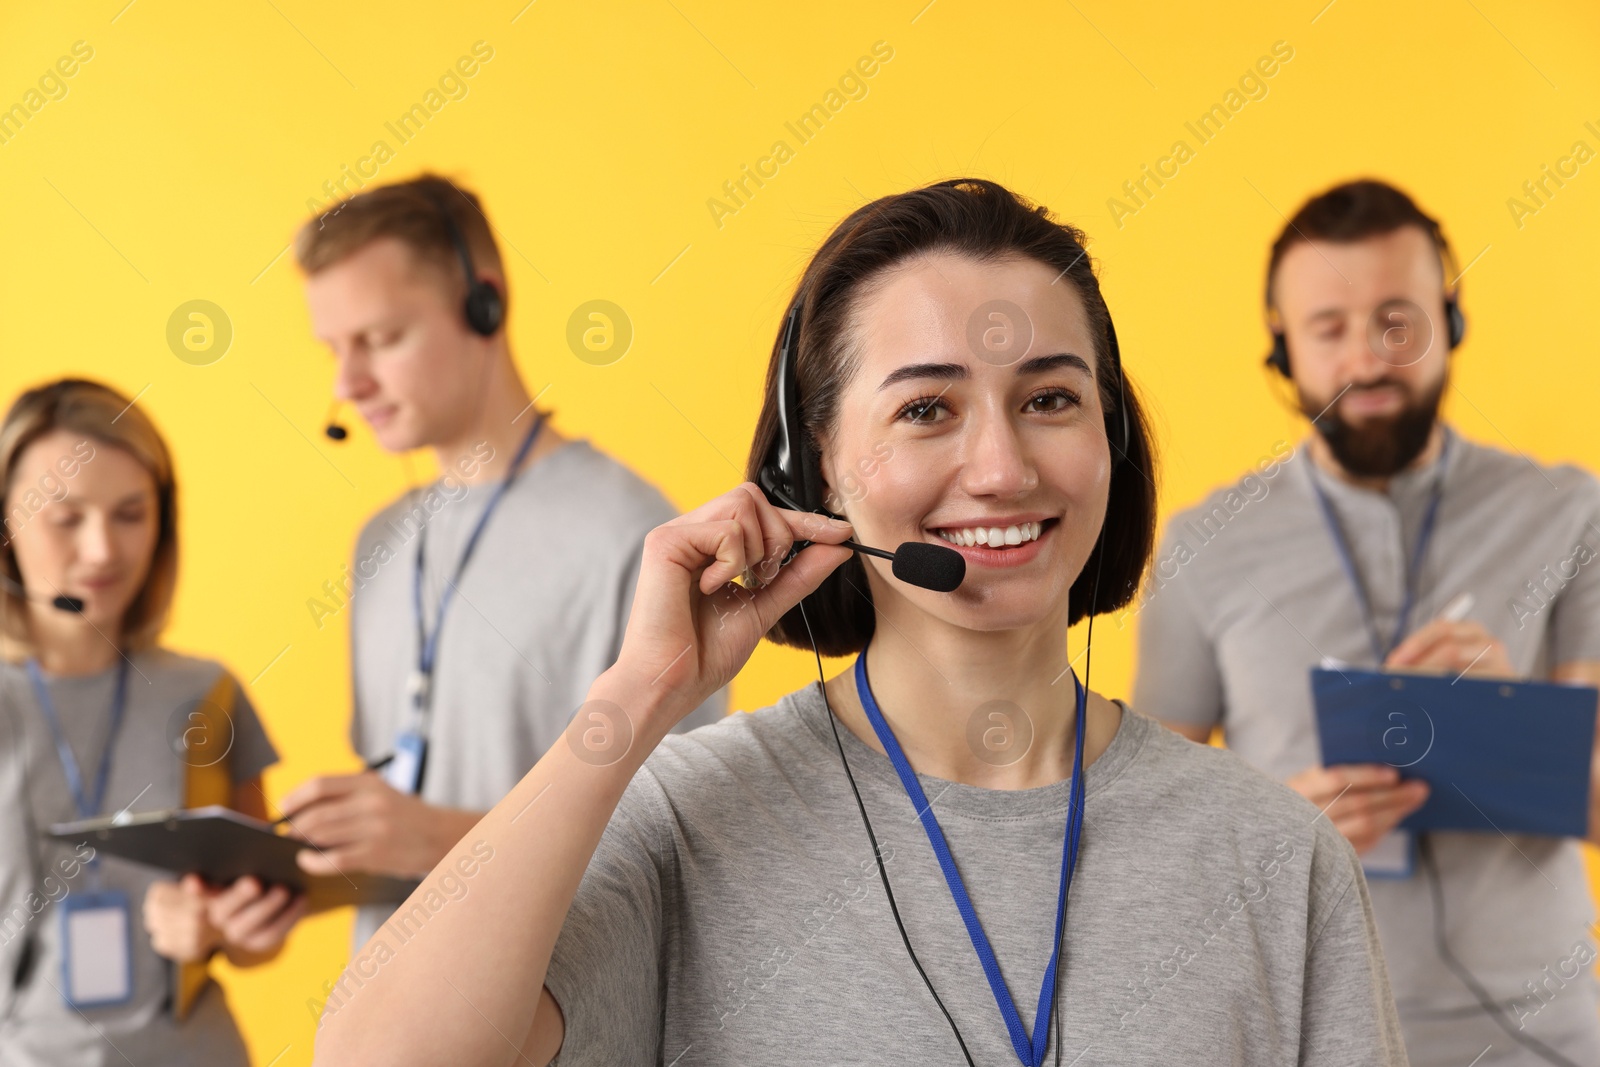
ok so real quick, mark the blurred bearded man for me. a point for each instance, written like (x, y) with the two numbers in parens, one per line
(1351, 548)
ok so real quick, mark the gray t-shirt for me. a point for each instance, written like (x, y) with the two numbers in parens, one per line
(537, 616)
(37, 1028)
(733, 913)
(1248, 593)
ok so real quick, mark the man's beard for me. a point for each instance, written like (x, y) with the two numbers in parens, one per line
(1377, 447)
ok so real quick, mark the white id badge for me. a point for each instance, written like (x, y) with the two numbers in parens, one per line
(96, 949)
(1394, 856)
(404, 771)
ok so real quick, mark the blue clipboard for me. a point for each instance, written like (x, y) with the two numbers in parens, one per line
(1498, 756)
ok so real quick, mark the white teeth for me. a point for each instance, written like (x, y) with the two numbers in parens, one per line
(993, 536)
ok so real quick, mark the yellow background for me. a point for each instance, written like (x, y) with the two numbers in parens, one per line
(184, 153)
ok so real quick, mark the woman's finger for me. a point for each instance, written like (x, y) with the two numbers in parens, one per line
(810, 526)
(776, 539)
(684, 548)
(230, 901)
(161, 897)
(748, 516)
(279, 928)
(795, 581)
(718, 507)
(724, 544)
(258, 913)
(802, 525)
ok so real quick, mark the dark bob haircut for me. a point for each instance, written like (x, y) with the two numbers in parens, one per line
(985, 221)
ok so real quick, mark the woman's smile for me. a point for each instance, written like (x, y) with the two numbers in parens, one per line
(1004, 541)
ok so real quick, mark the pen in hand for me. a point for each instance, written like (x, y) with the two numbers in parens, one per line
(372, 765)
(1454, 611)
(1458, 607)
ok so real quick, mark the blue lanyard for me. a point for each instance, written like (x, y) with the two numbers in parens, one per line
(1030, 1052)
(1380, 651)
(88, 804)
(428, 645)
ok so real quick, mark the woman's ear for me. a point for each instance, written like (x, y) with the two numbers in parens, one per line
(832, 501)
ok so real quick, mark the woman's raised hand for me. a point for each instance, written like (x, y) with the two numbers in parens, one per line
(692, 627)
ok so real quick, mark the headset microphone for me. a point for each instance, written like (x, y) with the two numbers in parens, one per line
(61, 601)
(333, 430)
(918, 563)
(922, 564)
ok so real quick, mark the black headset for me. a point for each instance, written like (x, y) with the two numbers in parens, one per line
(1454, 319)
(790, 473)
(484, 308)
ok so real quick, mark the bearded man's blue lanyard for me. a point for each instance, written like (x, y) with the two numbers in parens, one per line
(1029, 1050)
(405, 769)
(1380, 650)
(87, 803)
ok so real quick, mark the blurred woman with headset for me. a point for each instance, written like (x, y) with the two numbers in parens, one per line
(101, 960)
(877, 869)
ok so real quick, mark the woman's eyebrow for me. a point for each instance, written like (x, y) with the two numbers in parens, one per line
(913, 371)
(958, 371)
(1059, 361)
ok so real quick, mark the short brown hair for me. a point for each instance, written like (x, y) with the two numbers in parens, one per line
(1352, 212)
(986, 221)
(413, 213)
(99, 412)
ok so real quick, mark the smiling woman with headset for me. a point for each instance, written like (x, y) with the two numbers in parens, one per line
(879, 868)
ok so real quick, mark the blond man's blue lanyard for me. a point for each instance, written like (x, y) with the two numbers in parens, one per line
(406, 769)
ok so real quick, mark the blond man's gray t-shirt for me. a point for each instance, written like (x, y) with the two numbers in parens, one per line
(733, 913)
(1247, 594)
(537, 615)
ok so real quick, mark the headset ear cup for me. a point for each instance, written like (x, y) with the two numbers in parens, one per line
(1278, 358)
(485, 310)
(1455, 322)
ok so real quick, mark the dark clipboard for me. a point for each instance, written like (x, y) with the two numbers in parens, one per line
(1498, 756)
(221, 845)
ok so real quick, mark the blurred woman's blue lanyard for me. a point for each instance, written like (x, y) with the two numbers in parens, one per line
(1029, 1050)
(88, 803)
